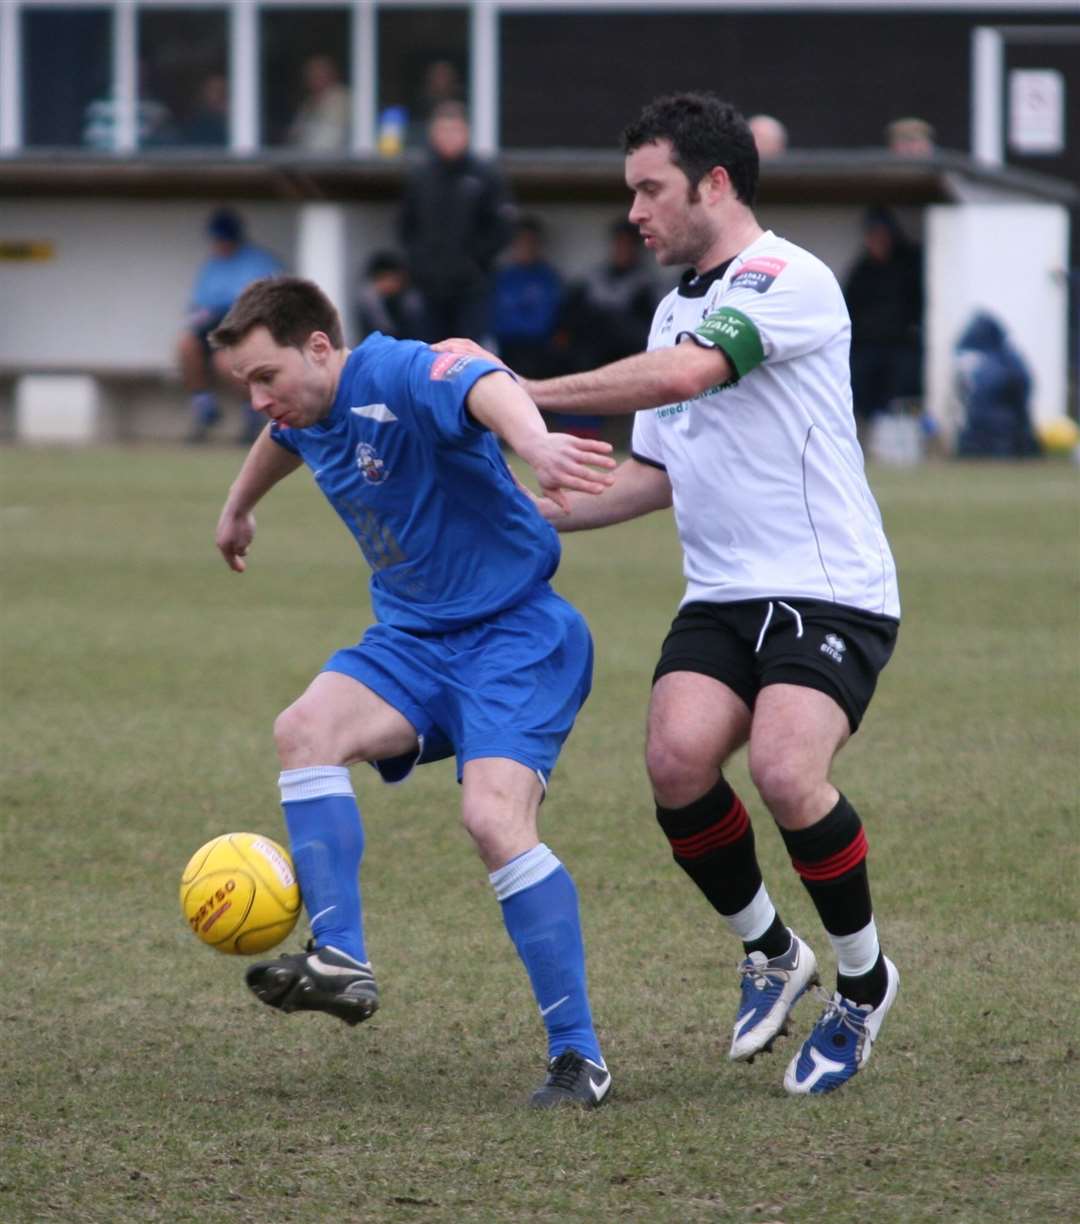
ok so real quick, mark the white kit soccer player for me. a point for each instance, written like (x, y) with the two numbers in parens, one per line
(782, 507)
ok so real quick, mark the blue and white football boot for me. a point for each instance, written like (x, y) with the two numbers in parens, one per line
(770, 989)
(840, 1043)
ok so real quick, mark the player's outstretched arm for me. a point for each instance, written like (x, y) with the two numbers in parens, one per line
(646, 380)
(636, 489)
(265, 465)
(561, 462)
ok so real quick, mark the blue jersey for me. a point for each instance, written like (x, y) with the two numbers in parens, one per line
(424, 488)
(222, 279)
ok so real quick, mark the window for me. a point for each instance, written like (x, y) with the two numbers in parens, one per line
(182, 78)
(423, 59)
(304, 84)
(67, 76)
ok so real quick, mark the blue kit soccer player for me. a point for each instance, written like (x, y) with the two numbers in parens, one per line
(472, 653)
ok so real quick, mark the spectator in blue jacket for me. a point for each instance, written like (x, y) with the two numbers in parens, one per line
(528, 296)
(232, 265)
(994, 385)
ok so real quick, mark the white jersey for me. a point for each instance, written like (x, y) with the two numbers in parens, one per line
(770, 494)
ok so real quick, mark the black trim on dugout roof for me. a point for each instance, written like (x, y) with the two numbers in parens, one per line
(862, 177)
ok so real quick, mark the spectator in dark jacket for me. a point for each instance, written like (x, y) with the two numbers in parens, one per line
(884, 294)
(455, 219)
(386, 302)
(608, 313)
(994, 385)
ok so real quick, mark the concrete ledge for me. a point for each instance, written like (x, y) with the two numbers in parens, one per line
(57, 408)
(85, 406)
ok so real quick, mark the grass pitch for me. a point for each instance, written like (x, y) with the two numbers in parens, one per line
(142, 1082)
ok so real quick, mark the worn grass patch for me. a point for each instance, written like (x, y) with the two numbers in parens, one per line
(142, 1082)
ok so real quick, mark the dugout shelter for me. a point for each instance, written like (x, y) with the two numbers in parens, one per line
(101, 214)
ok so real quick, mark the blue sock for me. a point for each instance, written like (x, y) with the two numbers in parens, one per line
(327, 840)
(540, 909)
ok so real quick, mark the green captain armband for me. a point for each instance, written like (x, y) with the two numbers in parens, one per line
(736, 336)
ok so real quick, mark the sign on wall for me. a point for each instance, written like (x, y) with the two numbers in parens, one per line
(1036, 111)
(19, 250)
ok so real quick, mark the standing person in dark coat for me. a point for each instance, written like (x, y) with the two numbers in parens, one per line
(884, 295)
(455, 218)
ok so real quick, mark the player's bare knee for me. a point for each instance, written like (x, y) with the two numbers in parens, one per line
(494, 842)
(502, 825)
(678, 776)
(784, 784)
(483, 813)
(300, 738)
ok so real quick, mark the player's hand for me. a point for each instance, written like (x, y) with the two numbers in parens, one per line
(563, 462)
(469, 347)
(233, 538)
(550, 510)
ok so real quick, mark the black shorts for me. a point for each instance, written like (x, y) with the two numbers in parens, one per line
(754, 642)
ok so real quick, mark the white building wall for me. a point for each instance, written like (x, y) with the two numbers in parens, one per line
(1009, 260)
(115, 291)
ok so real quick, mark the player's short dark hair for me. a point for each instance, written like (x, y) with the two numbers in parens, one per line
(290, 309)
(704, 132)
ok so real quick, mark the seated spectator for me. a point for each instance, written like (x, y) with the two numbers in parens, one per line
(769, 134)
(910, 137)
(528, 293)
(155, 126)
(209, 124)
(884, 294)
(994, 386)
(233, 263)
(442, 83)
(321, 124)
(607, 315)
(386, 301)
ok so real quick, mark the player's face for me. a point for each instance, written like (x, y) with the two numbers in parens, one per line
(294, 387)
(667, 209)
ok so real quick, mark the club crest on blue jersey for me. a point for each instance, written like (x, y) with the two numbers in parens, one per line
(373, 469)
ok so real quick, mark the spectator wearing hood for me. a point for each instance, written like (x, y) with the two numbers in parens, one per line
(994, 386)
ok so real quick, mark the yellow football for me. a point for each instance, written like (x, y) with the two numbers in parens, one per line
(1059, 436)
(239, 893)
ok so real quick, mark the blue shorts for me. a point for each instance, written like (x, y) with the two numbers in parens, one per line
(508, 687)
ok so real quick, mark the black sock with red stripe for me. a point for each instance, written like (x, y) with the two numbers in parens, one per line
(830, 857)
(712, 840)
